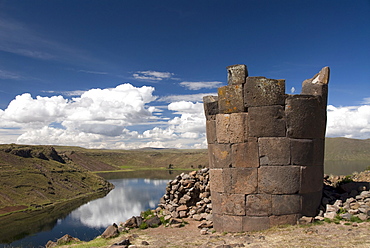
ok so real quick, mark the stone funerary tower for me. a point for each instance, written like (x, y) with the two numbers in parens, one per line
(266, 150)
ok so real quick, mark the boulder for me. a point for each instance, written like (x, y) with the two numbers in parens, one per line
(153, 222)
(110, 232)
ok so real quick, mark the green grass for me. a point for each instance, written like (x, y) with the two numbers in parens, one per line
(32, 181)
(98, 242)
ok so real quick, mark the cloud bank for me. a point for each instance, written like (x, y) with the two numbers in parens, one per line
(125, 117)
(349, 122)
(102, 118)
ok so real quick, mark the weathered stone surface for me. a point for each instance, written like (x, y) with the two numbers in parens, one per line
(66, 239)
(258, 205)
(131, 223)
(244, 180)
(318, 85)
(110, 232)
(230, 99)
(289, 219)
(304, 220)
(274, 151)
(279, 179)
(231, 127)
(232, 223)
(261, 91)
(245, 154)
(301, 151)
(217, 203)
(266, 121)
(311, 179)
(51, 244)
(211, 132)
(216, 180)
(305, 117)
(218, 222)
(318, 151)
(210, 104)
(219, 155)
(236, 74)
(252, 223)
(285, 204)
(153, 222)
(234, 204)
(311, 203)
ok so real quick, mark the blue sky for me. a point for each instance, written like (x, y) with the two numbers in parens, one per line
(129, 74)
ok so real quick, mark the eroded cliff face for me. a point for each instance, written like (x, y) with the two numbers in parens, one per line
(35, 176)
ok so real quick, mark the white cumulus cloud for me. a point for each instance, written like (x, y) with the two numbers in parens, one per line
(189, 97)
(152, 75)
(96, 117)
(201, 85)
(349, 122)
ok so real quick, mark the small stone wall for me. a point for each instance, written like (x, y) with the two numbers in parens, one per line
(266, 150)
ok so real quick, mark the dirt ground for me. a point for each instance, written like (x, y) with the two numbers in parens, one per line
(324, 235)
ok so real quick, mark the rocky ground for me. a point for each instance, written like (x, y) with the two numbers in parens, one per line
(323, 235)
(185, 211)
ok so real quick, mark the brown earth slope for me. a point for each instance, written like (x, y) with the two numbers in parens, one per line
(34, 176)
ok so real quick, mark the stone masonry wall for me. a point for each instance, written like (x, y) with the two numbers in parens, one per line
(266, 150)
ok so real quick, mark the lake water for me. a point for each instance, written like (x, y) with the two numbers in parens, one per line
(129, 197)
(345, 167)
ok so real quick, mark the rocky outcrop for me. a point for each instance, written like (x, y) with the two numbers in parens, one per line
(62, 241)
(41, 152)
(110, 232)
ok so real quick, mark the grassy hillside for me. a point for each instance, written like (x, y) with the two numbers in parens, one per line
(35, 176)
(336, 149)
(347, 149)
(107, 160)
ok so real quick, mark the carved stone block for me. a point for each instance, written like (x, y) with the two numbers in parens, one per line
(230, 99)
(258, 205)
(261, 91)
(285, 204)
(267, 121)
(305, 117)
(245, 154)
(274, 151)
(236, 74)
(279, 179)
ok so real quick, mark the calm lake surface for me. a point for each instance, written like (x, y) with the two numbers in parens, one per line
(129, 197)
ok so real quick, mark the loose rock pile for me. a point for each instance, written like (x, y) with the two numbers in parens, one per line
(347, 200)
(188, 195)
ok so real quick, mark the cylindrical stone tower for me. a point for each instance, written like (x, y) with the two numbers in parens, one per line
(266, 150)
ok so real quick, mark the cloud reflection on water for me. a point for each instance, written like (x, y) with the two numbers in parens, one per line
(129, 198)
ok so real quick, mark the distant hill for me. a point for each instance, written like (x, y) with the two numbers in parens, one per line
(336, 149)
(347, 149)
(36, 176)
(138, 159)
